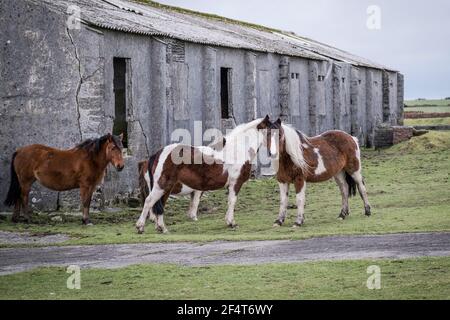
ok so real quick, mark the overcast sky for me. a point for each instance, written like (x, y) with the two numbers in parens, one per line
(414, 36)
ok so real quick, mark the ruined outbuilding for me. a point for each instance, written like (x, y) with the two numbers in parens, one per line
(76, 69)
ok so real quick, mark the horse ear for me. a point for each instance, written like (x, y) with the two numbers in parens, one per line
(267, 118)
(279, 121)
(121, 137)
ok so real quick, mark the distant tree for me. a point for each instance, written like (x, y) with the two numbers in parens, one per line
(448, 98)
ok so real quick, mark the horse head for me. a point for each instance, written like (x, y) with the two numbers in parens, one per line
(114, 148)
(272, 132)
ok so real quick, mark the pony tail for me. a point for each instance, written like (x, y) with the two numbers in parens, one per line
(351, 185)
(14, 192)
(143, 187)
(158, 208)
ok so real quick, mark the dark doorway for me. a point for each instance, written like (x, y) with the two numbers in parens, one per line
(225, 92)
(120, 99)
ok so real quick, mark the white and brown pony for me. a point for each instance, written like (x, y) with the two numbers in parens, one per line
(145, 185)
(301, 159)
(203, 169)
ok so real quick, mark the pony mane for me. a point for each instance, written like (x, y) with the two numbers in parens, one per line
(236, 149)
(93, 146)
(240, 129)
(294, 147)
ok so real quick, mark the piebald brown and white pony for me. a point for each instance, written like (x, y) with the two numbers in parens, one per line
(203, 169)
(302, 159)
(145, 185)
(179, 189)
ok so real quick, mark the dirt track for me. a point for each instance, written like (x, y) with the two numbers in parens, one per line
(393, 246)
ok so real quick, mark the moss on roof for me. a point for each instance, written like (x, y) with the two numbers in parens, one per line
(210, 16)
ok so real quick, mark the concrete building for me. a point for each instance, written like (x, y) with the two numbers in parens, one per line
(77, 69)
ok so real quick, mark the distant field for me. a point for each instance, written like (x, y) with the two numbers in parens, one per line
(428, 122)
(427, 103)
(428, 106)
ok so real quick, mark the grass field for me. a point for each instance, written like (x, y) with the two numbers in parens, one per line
(428, 106)
(428, 103)
(408, 187)
(426, 278)
(428, 121)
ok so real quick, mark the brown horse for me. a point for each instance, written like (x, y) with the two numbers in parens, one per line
(203, 169)
(82, 167)
(333, 154)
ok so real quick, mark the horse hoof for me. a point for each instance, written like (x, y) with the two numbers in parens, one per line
(342, 217)
(86, 222)
(277, 224)
(367, 212)
(162, 230)
(233, 226)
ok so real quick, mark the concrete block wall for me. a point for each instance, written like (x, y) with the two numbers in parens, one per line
(39, 88)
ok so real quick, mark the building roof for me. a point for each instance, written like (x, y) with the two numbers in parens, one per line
(154, 19)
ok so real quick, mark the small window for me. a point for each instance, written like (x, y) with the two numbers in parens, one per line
(225, 92)
(292, 75)
(376, 83)
(343, 80)
(297, 75)
(321, 78)
(359, 81)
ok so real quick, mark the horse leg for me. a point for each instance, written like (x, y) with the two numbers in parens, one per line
(25, 192)
(357, 176)
(16, 213)
(284, 199)
(232, 198)
(86, 196)
(150, 201)
(193, 206)
(300, 189)
(343, 187)
(159, 221)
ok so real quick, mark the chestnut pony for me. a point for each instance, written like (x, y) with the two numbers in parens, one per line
(82, 167)
(203, 169)
(333, 154)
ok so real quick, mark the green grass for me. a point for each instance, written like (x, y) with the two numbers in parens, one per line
(425, 278)
(425, 103)
(408, 187)
(428, 121)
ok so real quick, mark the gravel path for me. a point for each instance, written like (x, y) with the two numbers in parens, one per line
(394, 246)
(7, 237)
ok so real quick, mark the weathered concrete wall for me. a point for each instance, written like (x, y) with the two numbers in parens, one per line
(267, 79)
(358, 104)
(400, 98)
(321, 96)
(299, 94)
(39, 87)
(374, 102)
(341, 96)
